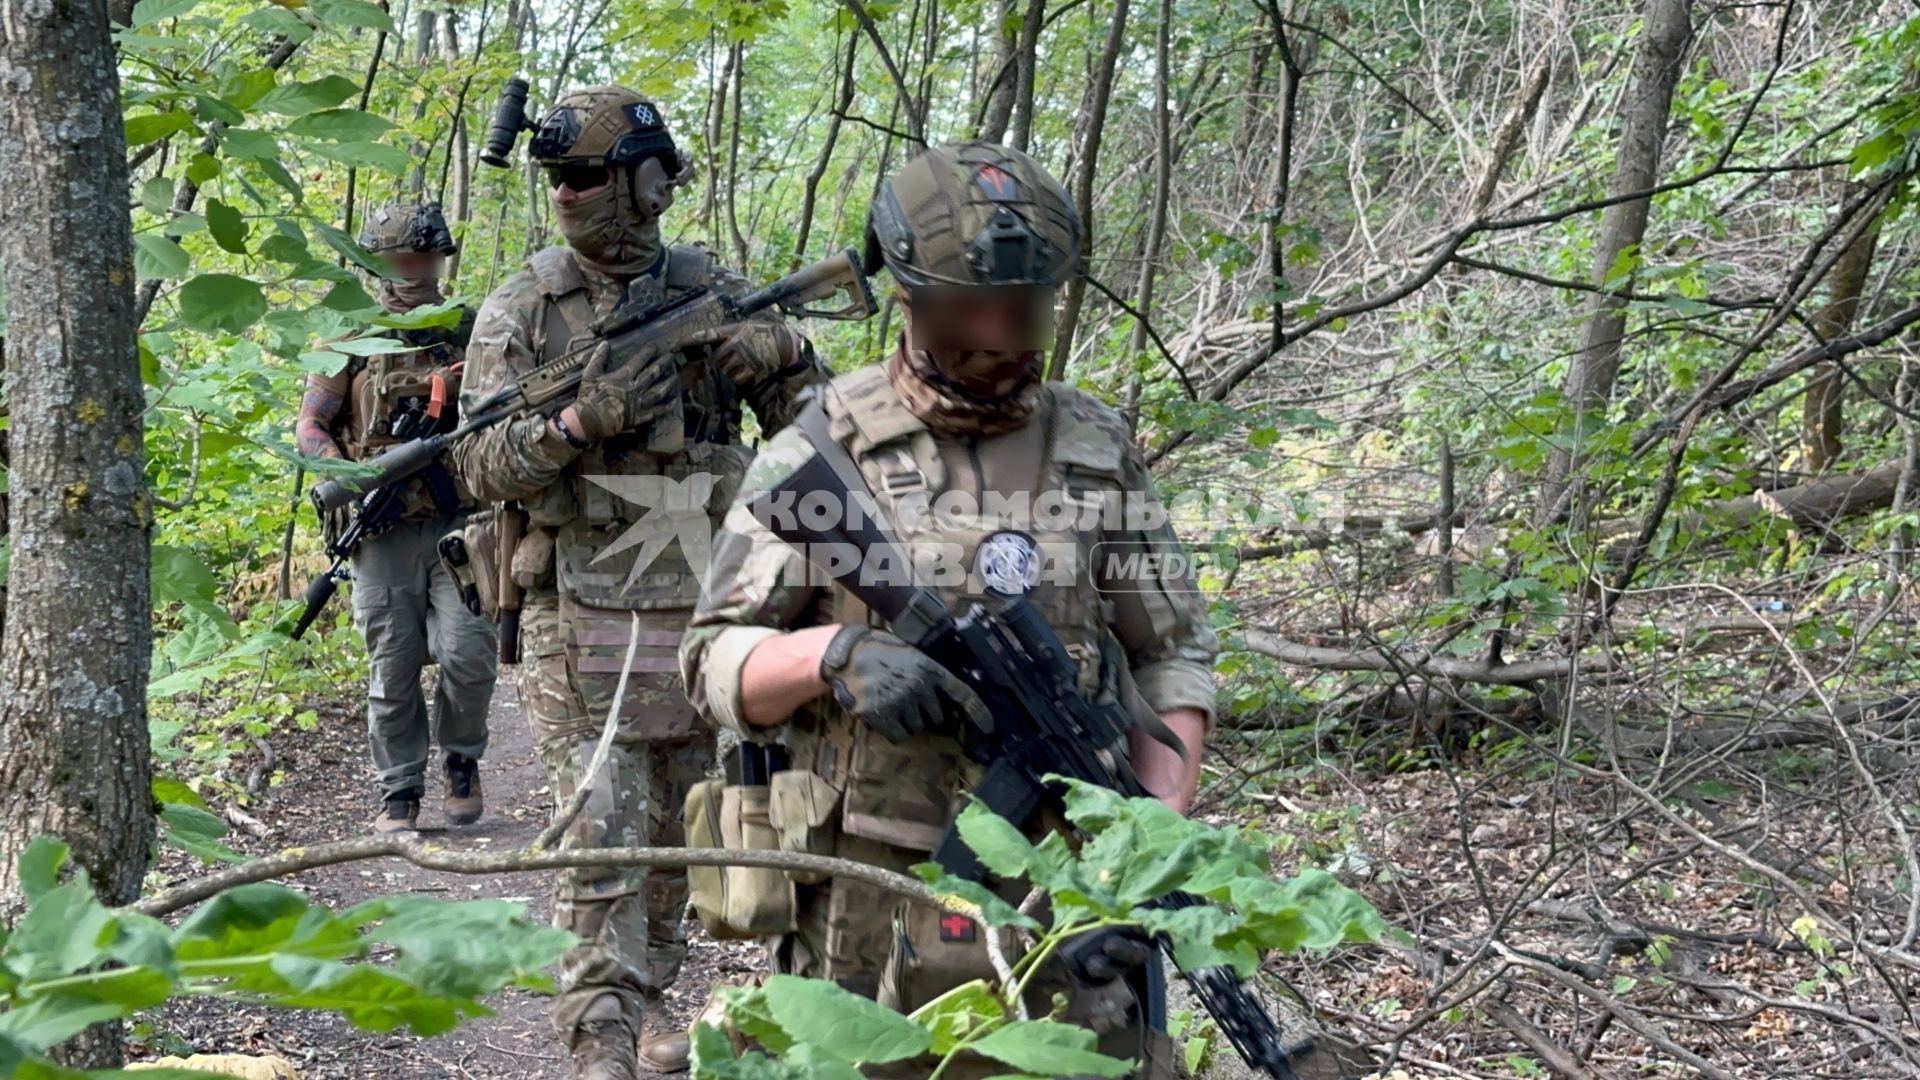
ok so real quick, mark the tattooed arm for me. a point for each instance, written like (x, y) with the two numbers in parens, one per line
(321, 403)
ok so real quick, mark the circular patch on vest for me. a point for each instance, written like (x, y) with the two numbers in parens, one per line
(1008, 563)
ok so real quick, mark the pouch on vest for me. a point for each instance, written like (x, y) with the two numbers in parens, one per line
(802, 807)
(736, 902)
(468, 554)
(933, 952)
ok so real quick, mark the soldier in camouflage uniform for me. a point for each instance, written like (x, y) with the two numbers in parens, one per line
(404, 602)
(978, 238)
(658, 433)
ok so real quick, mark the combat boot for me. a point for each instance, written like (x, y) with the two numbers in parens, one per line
(400, 812)
(666, 1051)
(601, 1047)
(463, 790)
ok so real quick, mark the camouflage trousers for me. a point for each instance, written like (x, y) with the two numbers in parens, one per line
(408, 609)
(905, 955)
(629, 920)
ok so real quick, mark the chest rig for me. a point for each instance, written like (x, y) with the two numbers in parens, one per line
(647, 498)
(397, 397)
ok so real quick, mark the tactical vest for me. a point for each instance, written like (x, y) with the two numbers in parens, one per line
(388, 392)
(901, 793)
(694, 452)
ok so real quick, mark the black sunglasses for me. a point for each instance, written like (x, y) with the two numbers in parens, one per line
(577, 177)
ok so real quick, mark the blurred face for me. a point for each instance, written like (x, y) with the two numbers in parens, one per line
(958, 318)
(416, 265)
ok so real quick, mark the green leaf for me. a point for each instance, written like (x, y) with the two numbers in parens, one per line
(343, 125)
(250, 920)
(245, 143)
(348, 248)
(468, 949)
(959, 1014)
(65, 931)
(244, 89)
(202, 168)
(352, 13)
(156, 126)
(197, 833)
(278, 20)
(168, 790)
(148, 12)
(369, 997)
(322, 362)
(299, 99)
(156, 196)
(364, 154)
(40, 867)
(445, 313)
(371, 346)
(157, 258)
(994, 839)
(1049, 1049)
(184, 224)
(228, 228)
(347, 296)
(858, 1029)
(48, 1021)
(221, 303)
(993, 909)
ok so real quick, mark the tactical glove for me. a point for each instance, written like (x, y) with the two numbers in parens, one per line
(894, 688)
(611, 402)
(752, 352)
(1101, 956)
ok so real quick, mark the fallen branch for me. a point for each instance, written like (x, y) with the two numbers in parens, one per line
(1557, 1057)
(1457, 668)
(429, 856)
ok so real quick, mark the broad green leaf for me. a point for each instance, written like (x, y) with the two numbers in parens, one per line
(994, 839)
(858, 1029)
(64, 931)
(156, 126)
(347, 296)
(156, 196)
(299, 99)
(746, 1009)
(364, 154)
(1049, 1049)
(221, 303)
(197, 833)
(148, 12)
(469, 949)
(278, 20)
(246, 143)
(350, 249)
(40, 866)
(352, 13)
(283, 249)
(213, 110)
(48, 1021)
(322, 362)
(252, 920)
(344, 125)
(168, 790)
(202, 168)
(369, 997)
(371, 346)
(446, 313)
(279, 175)
(959, 1013)
(227, 227)
(157, 258)
(244, 89)
(184, 224)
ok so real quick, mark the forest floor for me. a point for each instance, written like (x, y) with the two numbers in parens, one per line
(1555, 928)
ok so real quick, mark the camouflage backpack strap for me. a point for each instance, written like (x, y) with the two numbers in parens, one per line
(1088, 439)
(689, 267)
(895, 450)
(569, 308)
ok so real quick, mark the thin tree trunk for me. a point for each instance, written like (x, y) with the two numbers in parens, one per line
(422, 46)
(809, 198)
(1023, 89)
(716, 124)
(733, 161)
(1003, 70)
(1097, 97)
(1291, 71)
(366, 95)
(74, 756)
(1824, 414)
(1591, 375)
(1157, 213)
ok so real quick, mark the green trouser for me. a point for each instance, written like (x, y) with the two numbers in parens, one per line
(408, 609)
(629, 921)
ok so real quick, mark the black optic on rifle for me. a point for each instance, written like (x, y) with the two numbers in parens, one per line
(509, 120)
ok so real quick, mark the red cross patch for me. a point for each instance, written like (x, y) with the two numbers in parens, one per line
(957, 928)
(996, 182)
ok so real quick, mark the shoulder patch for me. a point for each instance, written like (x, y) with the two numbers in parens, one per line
(862, 405)
(556, 271)
(689, 266)
(1086, 431)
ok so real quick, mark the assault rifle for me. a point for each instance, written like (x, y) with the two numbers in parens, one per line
(1042, 724)
(634, 331)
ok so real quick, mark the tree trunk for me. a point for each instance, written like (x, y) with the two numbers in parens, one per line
(1824, 416)
(74, 656)
(1004, 71)
(1291, 71)
(1023, 87)
(422, 45)
(810, 199)
(1097, 97)
(459, 150)
(1157, 214)
(1591, 375)
(740, 252)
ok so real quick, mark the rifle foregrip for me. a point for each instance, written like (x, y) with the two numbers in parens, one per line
(395, 465)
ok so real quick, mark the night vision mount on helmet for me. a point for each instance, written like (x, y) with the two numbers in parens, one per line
(408, 227)
(974, 214)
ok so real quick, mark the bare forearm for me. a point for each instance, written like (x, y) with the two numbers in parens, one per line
(312, 432)
(1161, 769)
(783, 673)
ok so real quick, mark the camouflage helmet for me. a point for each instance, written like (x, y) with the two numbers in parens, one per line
(407, 227)
(974, 214)
(604, 125)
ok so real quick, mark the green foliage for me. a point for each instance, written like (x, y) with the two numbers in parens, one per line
(1137, 851)
(71, 961)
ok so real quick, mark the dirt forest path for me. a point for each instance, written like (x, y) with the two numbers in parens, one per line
(326, 796)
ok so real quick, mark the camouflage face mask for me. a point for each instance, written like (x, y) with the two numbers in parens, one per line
(971, 392)
(404, 295)
(614, 230)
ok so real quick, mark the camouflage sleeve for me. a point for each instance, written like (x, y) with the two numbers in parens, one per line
(757, 587)
(1160, 618)
(775, 401)
(518, 457)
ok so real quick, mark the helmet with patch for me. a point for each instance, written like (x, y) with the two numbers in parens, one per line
(604, 125)
(407, 226)
(974, 214)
